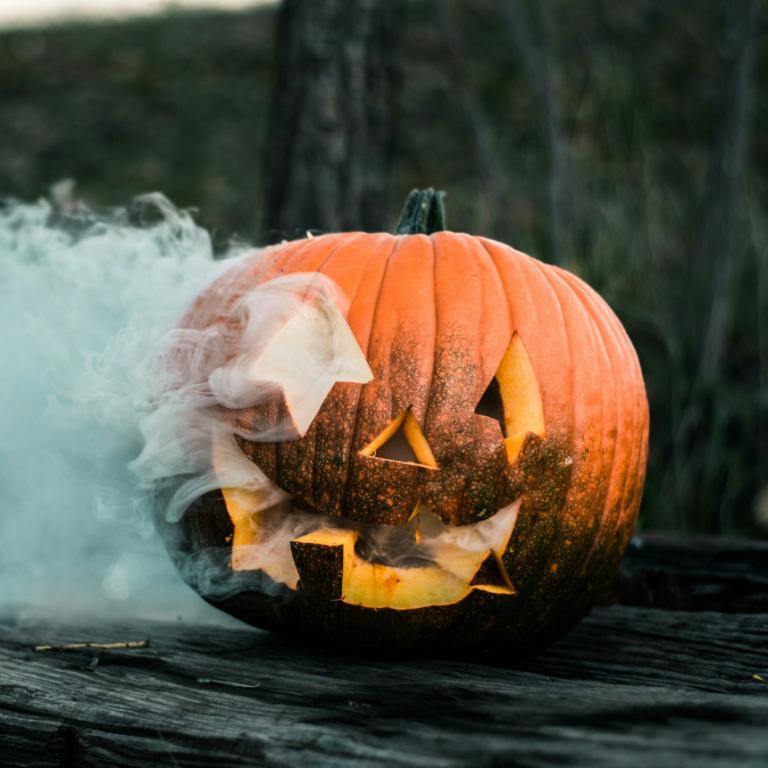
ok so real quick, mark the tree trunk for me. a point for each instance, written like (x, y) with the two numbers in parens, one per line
(727, 172)
(334, 109)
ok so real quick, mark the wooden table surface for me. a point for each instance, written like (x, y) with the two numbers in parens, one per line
(631, 686)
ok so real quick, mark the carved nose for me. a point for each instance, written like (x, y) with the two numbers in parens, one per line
(402, 440)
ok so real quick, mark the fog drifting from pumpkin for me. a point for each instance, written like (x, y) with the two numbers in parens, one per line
(100, 431)
(84, 306)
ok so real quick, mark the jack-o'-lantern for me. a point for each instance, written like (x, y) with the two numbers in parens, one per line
(476, 490)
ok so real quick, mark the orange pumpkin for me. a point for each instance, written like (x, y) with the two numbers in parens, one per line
(505, 394)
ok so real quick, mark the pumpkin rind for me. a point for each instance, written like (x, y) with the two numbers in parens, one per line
(435, 315)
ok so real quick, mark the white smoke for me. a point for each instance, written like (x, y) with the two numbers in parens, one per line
(285, 339)
(82, 301)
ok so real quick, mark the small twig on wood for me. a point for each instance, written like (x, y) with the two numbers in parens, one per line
(126, 645)
(166, 746)
(231, 683)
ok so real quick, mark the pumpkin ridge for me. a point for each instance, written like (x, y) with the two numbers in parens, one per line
(597, 325)
(551, 577)
(428, 399)
(513, 258)
(542, 269)
(355, 417)
(494, 270)
(453, 630)
(333, 252)
(428, 404)
(490, 275)
(317, 248)
(599, 485)
(623, 505)
(468, 242)
(276, 270)
(511, 267)
(446, 261)
(271, 271)
(628, 372)
(411, 345)
(367, 256)
(629, 366)
(494, 335)
(540, 572)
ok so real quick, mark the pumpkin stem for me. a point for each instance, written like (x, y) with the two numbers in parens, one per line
(423, 213)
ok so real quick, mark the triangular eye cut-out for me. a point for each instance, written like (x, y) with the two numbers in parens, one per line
(402, 440)
(513, 398)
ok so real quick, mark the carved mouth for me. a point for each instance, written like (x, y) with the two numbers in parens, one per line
(378, 566)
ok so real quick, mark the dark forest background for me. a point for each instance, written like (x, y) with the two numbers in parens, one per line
(625, 141)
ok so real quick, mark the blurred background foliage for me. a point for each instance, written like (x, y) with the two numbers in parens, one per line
(625, 141)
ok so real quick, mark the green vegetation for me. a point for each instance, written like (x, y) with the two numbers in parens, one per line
(640, 97)
(175, 104)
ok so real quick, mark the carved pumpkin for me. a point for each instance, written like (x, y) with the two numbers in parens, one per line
(505, 426)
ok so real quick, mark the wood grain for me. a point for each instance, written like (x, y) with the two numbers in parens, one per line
(630, 686)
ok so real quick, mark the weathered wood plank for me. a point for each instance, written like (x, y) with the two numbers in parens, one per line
(630, 686)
